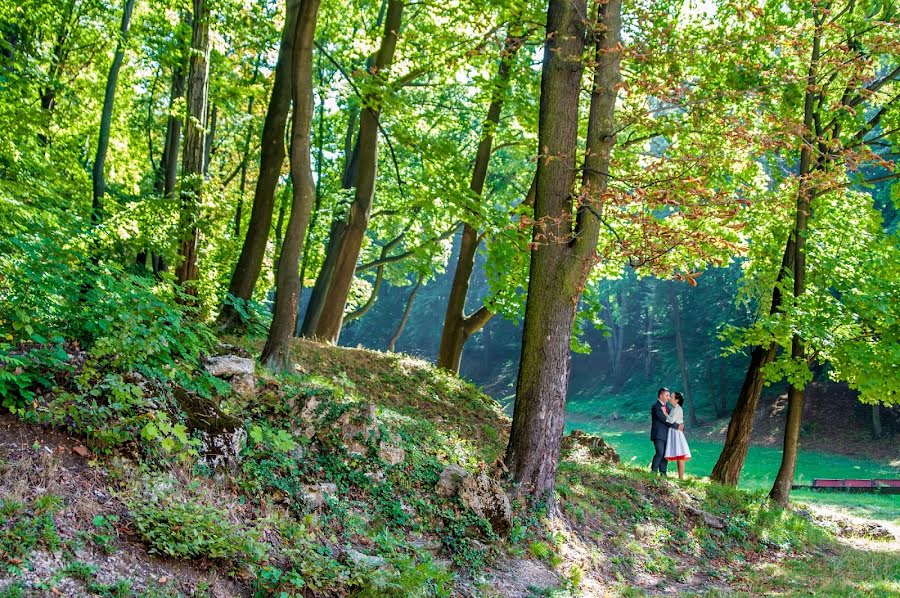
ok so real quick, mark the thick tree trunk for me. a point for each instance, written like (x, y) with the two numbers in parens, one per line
(323, 280)
(350, 243)
(457, 326)
(276, 353)
(192, 161)
(561, 257)
(392, 343)
(271, 159)
(99, 182)
(679, 351)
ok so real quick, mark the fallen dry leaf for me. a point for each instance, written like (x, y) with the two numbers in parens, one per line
(81, 451)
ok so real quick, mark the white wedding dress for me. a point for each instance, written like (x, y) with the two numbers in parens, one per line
(677, 448)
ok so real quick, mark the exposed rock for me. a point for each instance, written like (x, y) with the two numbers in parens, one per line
(595, 447)
(222, 436)
(432, 546)
(244, 385)
(392, 455)
(863, 529)
(708, 518)
(486, 497)
(227, 366)
(357, 428)
(450, 480)
(314, 495)
(229, 349)
(364, 560)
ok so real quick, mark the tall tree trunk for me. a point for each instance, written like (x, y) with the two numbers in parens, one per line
(392, 343)
(320, 168)
(167, 176)
(727, 469)
(561, 258)
(106, 116)
(271, 159)
(679, 351)
(350, 243)
(245, 157)
(781, 489)
(192, 161)
(276, 353)
(457, 325)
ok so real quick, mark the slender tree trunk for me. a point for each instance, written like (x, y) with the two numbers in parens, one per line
(713, 391)
(350, 243)
(279, 227)
(271, 159)
(167, 175)
(457, 326)
(679, 351)
(192, 161)
(392, 343)
(276, 353)
(211, 122)
(781, 489)
(723, 388)
(561, 258)
(648, 339)
(876, 421)
(245, 159)
(737, 440)
(57, 63)
(106, 116)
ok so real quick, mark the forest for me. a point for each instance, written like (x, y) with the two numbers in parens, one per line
(257, 248)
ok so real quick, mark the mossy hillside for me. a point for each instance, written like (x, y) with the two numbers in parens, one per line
(312, 509)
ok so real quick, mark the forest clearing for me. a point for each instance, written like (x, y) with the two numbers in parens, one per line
(473, 298)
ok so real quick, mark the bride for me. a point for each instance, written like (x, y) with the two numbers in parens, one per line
(676, 445)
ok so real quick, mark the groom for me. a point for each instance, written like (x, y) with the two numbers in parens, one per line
(659, 431)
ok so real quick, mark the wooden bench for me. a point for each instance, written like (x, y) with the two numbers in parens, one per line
(879, 486)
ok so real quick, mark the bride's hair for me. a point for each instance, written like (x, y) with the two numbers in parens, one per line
(679, 398)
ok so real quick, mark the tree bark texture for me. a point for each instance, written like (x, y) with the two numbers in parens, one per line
(271, 159)
(561, 257)
(192, 161)
(276, 353)
(350, 242)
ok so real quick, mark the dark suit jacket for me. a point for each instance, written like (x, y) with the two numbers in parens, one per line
(659, 428)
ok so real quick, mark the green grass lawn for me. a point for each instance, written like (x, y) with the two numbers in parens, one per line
(762, 465)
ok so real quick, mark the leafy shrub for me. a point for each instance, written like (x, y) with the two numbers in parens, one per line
(192, 530)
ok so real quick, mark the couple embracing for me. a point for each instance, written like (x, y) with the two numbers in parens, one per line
(667, 432)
